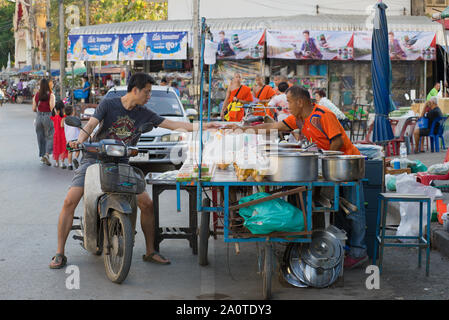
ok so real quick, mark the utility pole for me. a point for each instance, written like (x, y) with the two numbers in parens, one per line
(31, 28)
(88, 69)
(48, 54)
(196, 47)
(86, 4)
(61, 49)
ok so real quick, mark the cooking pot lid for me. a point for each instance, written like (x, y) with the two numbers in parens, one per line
(325, 250)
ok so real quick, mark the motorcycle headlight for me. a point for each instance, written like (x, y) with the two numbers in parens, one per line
(115, 151)
(174, 137)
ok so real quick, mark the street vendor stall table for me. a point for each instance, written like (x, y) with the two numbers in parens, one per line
(227, 179)
(189, 233)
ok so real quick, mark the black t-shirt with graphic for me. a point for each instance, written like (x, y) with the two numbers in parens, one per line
(118, 123)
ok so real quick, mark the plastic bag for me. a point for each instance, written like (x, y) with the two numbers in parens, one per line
(422, 123)
(418, 167)
(409, 225)
(390, 182)
(370, 151)
(271, 216)
(440, 168)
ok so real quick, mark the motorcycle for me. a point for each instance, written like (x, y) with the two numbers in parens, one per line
(11, 94)
(110, 202)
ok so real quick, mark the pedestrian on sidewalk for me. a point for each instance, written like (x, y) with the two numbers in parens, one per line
(43, 104)
(71, 134)
(59, 142)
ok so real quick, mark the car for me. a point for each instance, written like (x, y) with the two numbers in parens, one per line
(161, 146)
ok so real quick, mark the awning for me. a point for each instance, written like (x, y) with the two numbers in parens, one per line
(25, 69)
(108, 70)
(296, 22)
(77, 71)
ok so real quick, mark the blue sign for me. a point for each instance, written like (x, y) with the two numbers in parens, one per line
(153, 46)
(92, 47)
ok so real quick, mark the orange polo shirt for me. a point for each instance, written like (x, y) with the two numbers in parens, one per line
(321, 126)
(244, 94)
(265, 93)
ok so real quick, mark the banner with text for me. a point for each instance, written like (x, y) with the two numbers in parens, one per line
(403, 45)
(153, 46)
(310, 45)
(235, 44)
(92, 47)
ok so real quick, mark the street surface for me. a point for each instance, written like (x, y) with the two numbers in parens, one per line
(31, 196)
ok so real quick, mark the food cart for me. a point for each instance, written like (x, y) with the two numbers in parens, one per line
(227, 179)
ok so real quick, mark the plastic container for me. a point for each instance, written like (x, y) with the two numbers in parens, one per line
(441, 209)
(403, 154)
(445, 218)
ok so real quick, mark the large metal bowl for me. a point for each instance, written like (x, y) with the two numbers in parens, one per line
(293, 166)
(343, 168)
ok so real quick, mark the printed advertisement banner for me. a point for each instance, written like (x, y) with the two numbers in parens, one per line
(153, 46)
(235, 44)
(239, 44)
(92, 47)
(133, 47)
(310, 45)
(404, 45)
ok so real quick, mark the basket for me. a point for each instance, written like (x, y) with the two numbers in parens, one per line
(121, 178)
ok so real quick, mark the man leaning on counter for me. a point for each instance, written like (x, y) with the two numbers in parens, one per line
(321, 126)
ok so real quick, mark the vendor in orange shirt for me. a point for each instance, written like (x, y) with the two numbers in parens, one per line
(316, 123)
(237, 92)
(322, 126)
(263, 93)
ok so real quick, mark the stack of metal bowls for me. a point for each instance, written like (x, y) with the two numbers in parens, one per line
(317, 264)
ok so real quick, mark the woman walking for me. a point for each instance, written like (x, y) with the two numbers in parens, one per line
(43, 104)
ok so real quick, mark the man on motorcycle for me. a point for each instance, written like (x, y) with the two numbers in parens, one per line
(120, 118)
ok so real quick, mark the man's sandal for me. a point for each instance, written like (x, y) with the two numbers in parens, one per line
(58, 261)
(150, 258)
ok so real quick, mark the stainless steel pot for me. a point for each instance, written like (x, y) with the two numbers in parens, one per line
(293, 166)
(343, 168)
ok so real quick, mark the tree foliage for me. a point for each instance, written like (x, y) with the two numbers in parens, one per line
(6, 31)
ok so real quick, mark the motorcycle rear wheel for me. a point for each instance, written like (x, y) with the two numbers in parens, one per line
(120, 236)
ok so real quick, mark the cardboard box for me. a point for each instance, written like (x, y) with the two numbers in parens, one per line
(443, 103)
(390, 170)
(418, 107)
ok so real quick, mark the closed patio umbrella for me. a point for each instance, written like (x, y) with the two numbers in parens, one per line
(381, 75)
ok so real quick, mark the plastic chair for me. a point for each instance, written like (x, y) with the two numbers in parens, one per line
(435, 137)
(368, 136)
(406, 133)
(393, 124)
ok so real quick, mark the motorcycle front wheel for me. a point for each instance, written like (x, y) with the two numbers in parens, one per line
(120, 236)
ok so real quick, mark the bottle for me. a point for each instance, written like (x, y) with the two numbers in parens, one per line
(403, 154)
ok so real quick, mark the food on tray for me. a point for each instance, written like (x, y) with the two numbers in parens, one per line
(204, 168)
(183, 176)
(223, 166)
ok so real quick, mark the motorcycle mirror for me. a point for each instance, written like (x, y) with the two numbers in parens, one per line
(146, 127)
(73, 121)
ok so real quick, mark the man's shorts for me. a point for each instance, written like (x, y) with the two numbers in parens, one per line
(424, 132)
(80, 173)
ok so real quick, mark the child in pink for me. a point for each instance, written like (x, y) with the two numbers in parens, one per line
(59, 141)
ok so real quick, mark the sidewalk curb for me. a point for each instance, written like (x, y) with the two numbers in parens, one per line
(439, 238)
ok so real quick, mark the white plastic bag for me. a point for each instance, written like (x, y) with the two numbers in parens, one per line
(409, 225)
(440, 168)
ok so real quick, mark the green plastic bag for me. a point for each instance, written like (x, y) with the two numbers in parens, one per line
(418, 167)
(271, 216)
(391, 182)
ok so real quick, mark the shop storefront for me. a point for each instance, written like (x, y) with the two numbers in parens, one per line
(330, 52)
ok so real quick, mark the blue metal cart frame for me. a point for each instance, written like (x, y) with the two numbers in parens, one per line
(267, 272)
